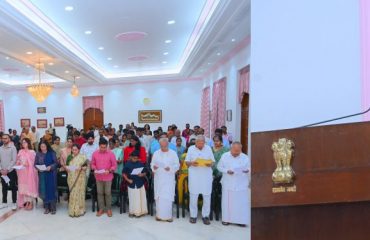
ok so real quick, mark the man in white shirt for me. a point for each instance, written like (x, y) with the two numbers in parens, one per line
(178, 135)
(200, 178)
(102, 134)
(88, 149)
(235, 168)
(164, 164)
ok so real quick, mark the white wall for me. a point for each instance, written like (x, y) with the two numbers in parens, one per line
(178, 101)
(230, 70)
(305, 62)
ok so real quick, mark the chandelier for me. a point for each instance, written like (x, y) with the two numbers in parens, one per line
(40, 91)
(74, 90)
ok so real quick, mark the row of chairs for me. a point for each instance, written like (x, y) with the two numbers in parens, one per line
(119, 192)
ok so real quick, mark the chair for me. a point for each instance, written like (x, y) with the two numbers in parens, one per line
(177, 196)
(62, 184)
(91, 190)
(116, 190)
(216, 198)
(185, 196)
(150, 192)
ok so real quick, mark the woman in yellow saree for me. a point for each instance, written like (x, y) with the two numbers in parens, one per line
(76, 168)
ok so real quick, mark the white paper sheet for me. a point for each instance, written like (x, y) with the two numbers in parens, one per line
(6, 178)
(72, 168)
(239, 170)
(161, 165)
(101, 171)
(41, 167)
(137, 171)
(18, 167)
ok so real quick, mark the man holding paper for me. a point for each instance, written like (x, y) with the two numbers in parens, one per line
(104, 164)
(200, 159)
(235, 166)
(165, 163)
(8, 159)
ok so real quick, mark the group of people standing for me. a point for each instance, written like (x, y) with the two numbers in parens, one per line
(134, 153)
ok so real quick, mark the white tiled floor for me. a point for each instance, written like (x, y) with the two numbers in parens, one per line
(35, 225)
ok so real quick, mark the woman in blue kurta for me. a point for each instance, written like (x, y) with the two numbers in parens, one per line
(48, 178)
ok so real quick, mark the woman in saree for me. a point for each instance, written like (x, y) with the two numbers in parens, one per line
(117, 150)
(183, 173)
(28, 179)
(218, 149)
(48, 177)
(76, 166)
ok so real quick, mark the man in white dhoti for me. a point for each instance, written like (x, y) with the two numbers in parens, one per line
(164, 164)
(235, 168)
(200, 178)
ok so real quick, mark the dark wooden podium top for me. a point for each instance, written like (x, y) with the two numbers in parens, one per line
(332, 165)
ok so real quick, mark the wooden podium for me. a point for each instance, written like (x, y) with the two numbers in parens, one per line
(332, 198)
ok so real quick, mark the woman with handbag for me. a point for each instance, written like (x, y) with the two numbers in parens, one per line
(76, 166)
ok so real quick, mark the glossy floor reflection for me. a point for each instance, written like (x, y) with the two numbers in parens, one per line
(34, 224)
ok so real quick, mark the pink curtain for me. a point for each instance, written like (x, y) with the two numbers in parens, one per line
(218, 104)
(204, 111)
(243, 83)
(93, 102)
(2, 117)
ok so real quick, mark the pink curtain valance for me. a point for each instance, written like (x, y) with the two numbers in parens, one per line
(204, 111)
(243, 83)
(93, 102)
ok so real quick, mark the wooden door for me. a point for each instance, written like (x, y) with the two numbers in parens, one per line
(93, 116)
(244, 122)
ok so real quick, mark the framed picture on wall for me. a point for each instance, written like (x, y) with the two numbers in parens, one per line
(41, 110)
(59, 122)
(150, 116)
(42, 123)
(25, 122)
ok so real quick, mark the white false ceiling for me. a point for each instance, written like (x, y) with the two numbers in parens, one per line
(82, 38)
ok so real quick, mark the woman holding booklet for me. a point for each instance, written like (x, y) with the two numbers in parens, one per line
(46, 163)
(76, 167)
(28, 179)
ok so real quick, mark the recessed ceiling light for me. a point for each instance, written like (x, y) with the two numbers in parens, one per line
(233, 40)
(115, 66)
(78, 77)
(50, 64)
(68, 8)
(7, 58)
(164, 62)
(88, 32)
(28, 66)
(168, 41)
(109, 59)
(165, 53)
(209, 63)
(101, 48)
(218, 54)
(29, 53)
(66, 71)
(170, 22)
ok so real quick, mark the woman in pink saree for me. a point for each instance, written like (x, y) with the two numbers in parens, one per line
(28, 180)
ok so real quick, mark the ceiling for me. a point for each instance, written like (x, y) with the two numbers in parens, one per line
(117, 41)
